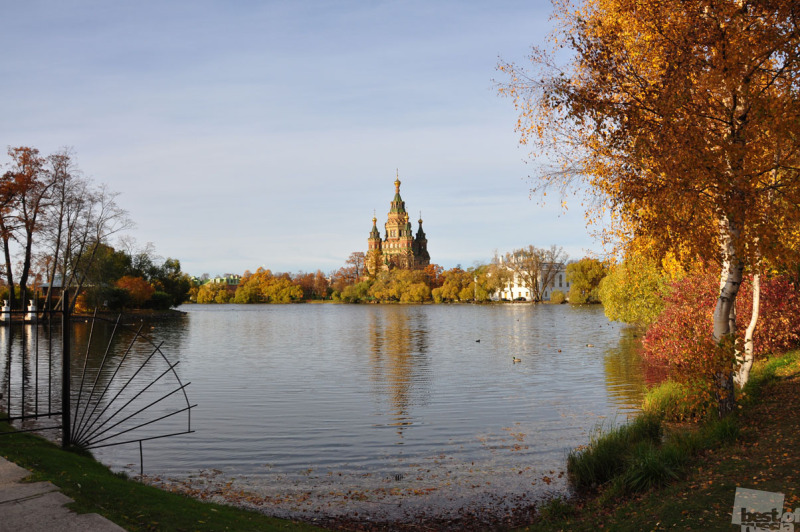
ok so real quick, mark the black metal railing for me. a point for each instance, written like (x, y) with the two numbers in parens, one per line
(128, 391)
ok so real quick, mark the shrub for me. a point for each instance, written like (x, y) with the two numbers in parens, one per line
(557, 297)
(681, 336)
(687, 317)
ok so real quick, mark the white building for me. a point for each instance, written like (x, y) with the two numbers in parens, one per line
(516, 289)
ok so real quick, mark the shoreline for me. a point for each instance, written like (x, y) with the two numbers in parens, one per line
(762, 458)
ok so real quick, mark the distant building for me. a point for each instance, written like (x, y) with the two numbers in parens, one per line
(516, 289)
(399, 247)
(230, 280)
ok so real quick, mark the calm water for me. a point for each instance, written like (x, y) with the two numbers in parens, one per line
(390, 411)
(401, 405)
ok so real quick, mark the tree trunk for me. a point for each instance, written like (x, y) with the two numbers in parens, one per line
(743, 371)
(26, 268)
(725, 311)
(9, 273)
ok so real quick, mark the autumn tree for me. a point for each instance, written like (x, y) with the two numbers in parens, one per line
(433, 275)
(584, 279)
(683, 119)
(139, 290)
(29, 186)
(321, 285)
(634, 291)
(212, 292)
(457, 286)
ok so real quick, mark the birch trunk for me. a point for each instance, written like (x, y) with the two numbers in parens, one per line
(746, 363)
(725, 311)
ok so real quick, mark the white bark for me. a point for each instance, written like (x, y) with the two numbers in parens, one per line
(725, 311)
(746, 362)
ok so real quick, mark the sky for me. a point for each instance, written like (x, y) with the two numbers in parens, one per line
(254, 134)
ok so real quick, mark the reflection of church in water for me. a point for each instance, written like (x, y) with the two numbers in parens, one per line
(399, 248)
(400, 366)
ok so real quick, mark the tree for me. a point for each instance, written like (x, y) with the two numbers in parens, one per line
(457, 286)
(683, 119)
(28, 181)
(68, 200)
(169, 279)
(356, 260)
(212, 292)
(634, 291)
(584, 279)
(433, 275)
(681, 335)
(99, 218)
(139, 290)
(320, 285)
(535, 268)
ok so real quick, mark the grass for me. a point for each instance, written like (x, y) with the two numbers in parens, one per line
(130, 504)
(688, 480)
(608, 453)
(669, 400)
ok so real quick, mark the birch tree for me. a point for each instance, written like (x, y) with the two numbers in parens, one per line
(682, 119)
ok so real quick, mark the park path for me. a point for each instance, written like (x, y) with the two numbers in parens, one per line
(39, 506)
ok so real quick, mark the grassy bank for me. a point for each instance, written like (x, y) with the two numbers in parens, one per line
(132, 505)
(645, 478)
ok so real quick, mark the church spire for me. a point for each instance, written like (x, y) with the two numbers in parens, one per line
(398, 205)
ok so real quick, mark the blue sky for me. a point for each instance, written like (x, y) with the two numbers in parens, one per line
(246, 134)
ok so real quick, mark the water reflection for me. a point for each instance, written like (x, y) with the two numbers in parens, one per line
(399, 365)
(624, 372)
(301, 396)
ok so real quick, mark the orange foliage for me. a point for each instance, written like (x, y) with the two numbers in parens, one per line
(139, 290)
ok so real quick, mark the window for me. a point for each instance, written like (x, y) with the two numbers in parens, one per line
(559, 280)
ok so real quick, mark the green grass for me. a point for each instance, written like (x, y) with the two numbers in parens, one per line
(608, 453)
(670, 401)
(688, 479)
(130, 504)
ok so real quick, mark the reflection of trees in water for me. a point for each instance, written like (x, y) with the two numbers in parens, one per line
(29, 386)
(398, 337)
(109, 366)
(624, 371)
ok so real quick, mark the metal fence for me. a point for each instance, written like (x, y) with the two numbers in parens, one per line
(88, 381)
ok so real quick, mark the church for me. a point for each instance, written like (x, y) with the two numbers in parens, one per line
(399, 248)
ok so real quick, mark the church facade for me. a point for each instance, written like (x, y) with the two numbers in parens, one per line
(399, 247)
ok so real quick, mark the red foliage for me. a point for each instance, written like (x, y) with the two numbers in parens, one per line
(682, 334)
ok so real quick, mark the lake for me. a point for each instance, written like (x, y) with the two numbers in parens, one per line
(386, 412)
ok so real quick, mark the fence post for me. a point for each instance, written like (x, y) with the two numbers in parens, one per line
(66, 427)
